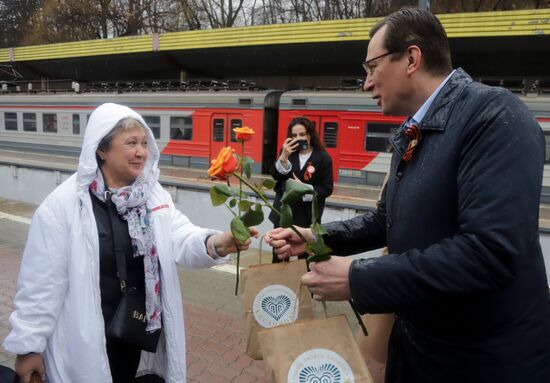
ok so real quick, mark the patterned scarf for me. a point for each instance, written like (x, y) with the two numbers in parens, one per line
(131, 204)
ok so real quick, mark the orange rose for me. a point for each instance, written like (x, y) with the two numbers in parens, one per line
(244, 134)
(224, 164)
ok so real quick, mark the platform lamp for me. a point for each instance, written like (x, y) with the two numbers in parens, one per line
(76, 86)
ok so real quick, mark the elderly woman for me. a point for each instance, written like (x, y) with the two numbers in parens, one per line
(112, 211)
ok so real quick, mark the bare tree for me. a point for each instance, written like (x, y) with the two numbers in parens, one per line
(44, 21)
(15, 19)
(221, 13)
(191, 14)
(58, 21)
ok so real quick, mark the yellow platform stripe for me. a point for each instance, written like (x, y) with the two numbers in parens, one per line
(4, 55)
(480, 24)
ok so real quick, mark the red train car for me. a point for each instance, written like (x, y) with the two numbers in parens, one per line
(351, 127)
(190, 127)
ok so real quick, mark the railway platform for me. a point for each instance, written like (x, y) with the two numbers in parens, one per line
(215, 346)
(214, 342)
(359, 197)
(352, 195)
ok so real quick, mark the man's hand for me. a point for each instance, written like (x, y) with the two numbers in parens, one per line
(329, 280)
(286, 242)
(30, 368)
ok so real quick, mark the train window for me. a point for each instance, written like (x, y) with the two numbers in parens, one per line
(245, 101)
(235, 124)
(154, 124)
(330, 134)
(181, 128)
(378, 135)
(10, 121)
(299, 101)
(29, 122)
(76, 124)
(217, 129)
(49, 122)
(547, 140)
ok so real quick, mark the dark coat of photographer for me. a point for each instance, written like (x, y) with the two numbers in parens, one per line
(304, 159)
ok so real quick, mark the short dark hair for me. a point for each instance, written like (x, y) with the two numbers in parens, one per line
(412, 26)
(314, 139)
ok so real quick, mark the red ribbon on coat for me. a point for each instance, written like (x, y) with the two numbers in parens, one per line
(413, 134)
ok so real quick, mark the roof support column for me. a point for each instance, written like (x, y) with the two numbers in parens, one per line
(424, 5)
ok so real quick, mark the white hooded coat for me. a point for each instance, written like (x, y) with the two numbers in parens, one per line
(58, 301)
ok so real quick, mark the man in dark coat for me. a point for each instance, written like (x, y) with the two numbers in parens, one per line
(465, 275)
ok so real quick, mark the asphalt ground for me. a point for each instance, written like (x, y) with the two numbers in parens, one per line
(215, 345)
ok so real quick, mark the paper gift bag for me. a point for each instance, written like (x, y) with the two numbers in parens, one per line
(315, 350)
(375, 345)
(269, 298)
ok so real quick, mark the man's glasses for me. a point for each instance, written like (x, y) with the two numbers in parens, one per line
(370, 65)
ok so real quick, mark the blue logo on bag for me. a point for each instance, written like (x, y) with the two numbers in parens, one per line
(277, 306)
(326, 373)
(320, 365)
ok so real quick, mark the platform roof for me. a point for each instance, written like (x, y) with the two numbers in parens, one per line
(511, 43)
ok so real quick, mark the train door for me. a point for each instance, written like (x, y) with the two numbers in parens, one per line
(222, 125)
(328, 128)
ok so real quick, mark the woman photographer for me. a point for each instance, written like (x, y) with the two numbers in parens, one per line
(304, 159)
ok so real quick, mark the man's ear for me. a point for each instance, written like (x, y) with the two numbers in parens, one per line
(414, 58)
(100, 154)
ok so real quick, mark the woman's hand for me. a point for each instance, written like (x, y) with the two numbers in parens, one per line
(225, 243)
(290, 145)
(30, 368)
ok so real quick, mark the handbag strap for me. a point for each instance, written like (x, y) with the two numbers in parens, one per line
(118, 249)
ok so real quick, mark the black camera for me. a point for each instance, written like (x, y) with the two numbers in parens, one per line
(302, 144)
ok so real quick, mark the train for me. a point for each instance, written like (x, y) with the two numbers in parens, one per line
(192, 126)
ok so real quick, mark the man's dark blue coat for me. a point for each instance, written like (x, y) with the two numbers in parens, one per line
(465, 274)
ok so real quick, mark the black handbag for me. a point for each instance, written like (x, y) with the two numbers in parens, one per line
(129, 323)
(7, 375)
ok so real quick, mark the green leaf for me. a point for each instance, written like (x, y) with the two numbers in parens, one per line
(247, 162)
(246, 169)
(269, 183)
(253, 217)
(318, 250)
(239, 230)
(318, 257)
(314, 210)
(318, 230)
(294, 191)
(286, 216)
(219, 194)
(244, 205)
(260, 192)
(223, 189)
(233, 202)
